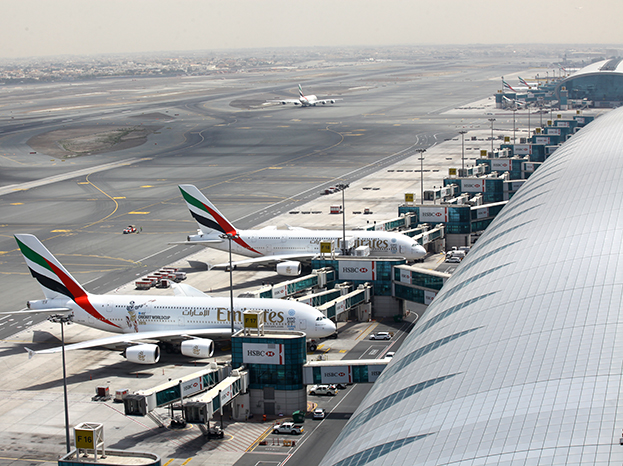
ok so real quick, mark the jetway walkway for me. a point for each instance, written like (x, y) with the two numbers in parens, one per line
(343, 371)
(317, 279)
(344, 303)
(144, 402)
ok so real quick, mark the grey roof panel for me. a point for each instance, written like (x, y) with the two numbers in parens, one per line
(519, 359)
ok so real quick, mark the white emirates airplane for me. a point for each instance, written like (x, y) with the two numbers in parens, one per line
(284, 247)
(307, 100)
(190, 319)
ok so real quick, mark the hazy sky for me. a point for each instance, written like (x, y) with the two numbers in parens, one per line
(51, 27)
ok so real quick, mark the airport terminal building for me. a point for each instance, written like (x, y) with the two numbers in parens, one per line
(600, 83)
(519, 358)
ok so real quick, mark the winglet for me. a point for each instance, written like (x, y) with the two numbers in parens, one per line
(31, 353)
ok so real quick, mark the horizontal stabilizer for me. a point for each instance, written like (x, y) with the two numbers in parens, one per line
(182, 289)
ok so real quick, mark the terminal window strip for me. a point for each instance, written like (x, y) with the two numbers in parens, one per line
(389, 401)
(370, 454)
(457, 288)
(423, 351)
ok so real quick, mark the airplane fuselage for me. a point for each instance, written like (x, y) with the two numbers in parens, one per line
(256, 243)
(144, 313)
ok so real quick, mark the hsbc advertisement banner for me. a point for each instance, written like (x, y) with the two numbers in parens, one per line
(473, 186)
(528, 167)
(279, 291)
(340, 307)
(562, 124)
(227, 394)
(405, 276)
(374, 372)
(542, 140)
(500, 165)
(357, 270)
(429, 296)
(482, 212)
(434, 214)
(262, 353)
(336, 374)
(555, 131)
(523, 149)
(190, 387)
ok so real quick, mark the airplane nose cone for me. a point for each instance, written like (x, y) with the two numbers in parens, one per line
(418, 251)
(331, 326)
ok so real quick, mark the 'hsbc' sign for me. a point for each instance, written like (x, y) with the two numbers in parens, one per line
(500, 165)
(522, 149)
(434, 214)
(262, 353)
(473, 186)
(357, 270)
(190, 387)
(336, 374)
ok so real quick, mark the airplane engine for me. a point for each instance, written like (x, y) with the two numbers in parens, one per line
(295, 103)
(332, 101)
(198, 348)
(289, 268)
(284, 103)
(143, 354)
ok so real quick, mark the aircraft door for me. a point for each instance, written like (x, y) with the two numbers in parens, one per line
(303, 324)
(181, 322)
(109, 306)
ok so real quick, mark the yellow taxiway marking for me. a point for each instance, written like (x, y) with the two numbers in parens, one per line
(147, 186)
(275, 168)
(138, 213)
(245, 127)
(16, 203)
(83, 182)
(367, 330)
(168, 462)
(60, 231)
(342, 351)
(119, 197)
(286, 126)
(186, 462)
(28, 460)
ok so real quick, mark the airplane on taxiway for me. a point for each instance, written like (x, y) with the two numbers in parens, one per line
(306, 100)
(285, 248)
(190, 319)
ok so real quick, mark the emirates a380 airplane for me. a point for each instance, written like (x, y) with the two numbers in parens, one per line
(190, 319)
(286, 248)
(307, 100)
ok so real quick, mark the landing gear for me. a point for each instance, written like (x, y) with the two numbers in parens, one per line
(311, 347)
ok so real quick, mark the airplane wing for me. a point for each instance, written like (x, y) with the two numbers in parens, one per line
(128, 339)
(285, 101)
(327, 101)
(53, 310)
(204, 242)
(182, 289)
(266, 260)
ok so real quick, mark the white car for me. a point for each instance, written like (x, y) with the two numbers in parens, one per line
(453, 260)
(319, 413)
(390, 355)
(287, 428)
(380, 336)
(323, 390)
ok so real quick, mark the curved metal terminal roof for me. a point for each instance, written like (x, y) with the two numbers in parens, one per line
(519, 358)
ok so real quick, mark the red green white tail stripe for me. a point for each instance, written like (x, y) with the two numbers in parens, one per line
(54, 279)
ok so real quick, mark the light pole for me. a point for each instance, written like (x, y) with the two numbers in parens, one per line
(64, 319)
(514, 110)
(462, 133)
(342, 187)
(231, 236)
(421, 152)
(491, 120)
(528, 108)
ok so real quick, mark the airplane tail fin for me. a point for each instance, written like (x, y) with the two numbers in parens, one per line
(54, 279)
(523, 82)
(203, 211)
(301, 92)
(507, 86)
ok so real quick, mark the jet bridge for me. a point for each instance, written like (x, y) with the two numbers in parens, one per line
(143, 402)
(343, 371)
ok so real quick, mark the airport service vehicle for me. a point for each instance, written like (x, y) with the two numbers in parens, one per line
(453, 260)
(287, 428)
(319, 413)
(390, 355)
(189, 320)
(285, 248)
(380, 336)
(306, 100)
(130, 229)
(323, 390)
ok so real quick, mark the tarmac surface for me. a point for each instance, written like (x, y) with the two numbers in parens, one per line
(260, 166)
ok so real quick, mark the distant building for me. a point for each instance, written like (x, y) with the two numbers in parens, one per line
(599, 83)
(518, 360)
